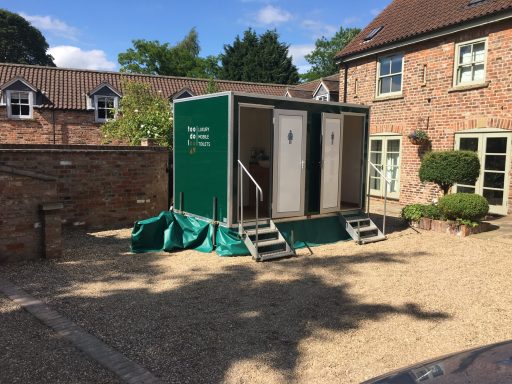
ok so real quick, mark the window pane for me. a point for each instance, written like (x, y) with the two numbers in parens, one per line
(109, 102)
(495, 162)
(479, 73)
(465, 74)
(494, 180)
(110, 113)
(24, 98)
(496, 145)
(15, 110)
(393, 145)
(393, 186)
(465, 54)
(493, 197)
(479, 52)
(396, 85)
(462, 189)
(101, 114)
(396, 64)
(385, 85)
(25, 110)
(376, 145)
(376, 158)
(385, 66)
(101, 103)
(375, 183)
(392, 159)
(15, 98)
(392, 172)
(469, 144)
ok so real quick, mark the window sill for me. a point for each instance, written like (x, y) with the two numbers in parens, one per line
(386, 98)
(469, 87)
(21, 118)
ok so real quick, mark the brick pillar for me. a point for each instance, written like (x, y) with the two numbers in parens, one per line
(52, 230)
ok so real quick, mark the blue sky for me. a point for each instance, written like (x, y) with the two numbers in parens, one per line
(89, 34)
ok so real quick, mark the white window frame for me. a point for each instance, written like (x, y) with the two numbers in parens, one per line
(30, 104)
(116, 105)
(456, 64)
(401, 73)
(322, 97)
(385, 137)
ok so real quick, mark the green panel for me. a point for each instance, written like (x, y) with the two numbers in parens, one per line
(313, 232)
(201, 129)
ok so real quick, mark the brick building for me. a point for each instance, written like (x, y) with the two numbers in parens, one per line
(443, 67)
(45, 105)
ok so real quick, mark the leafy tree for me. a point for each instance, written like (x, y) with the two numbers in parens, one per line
(143, 113)
(450, 167)
(152, 57)
(258, 58)
(22, 43)
(322, 58)
(212, 86)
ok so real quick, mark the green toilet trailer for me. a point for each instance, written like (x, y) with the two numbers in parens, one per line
(275, 173)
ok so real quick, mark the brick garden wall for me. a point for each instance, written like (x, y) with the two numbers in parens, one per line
(99, 186)
(433, 105)
(51, 127)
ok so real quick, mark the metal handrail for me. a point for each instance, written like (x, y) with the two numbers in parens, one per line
(388, 182)
(259, 193)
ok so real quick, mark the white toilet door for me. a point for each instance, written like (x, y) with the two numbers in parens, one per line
(332, 143)
(289, 163)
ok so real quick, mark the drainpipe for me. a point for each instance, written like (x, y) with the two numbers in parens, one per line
(345, 82)
(53, 124)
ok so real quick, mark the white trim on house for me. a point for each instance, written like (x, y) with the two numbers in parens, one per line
(324, 97)
(430, 36)
(116, 106)
(16, 79)
(384, 138)
(31, 99)
(182, 92)
(378, 94)
(105, 84)
(456, 63)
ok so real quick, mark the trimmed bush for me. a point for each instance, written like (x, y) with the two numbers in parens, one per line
(463, 206)
(432, 212)
(412, 212)
(450, 167)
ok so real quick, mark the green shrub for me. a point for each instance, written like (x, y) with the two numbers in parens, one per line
(463, 206)
(412, 212)
(450, 167)
(432, 212)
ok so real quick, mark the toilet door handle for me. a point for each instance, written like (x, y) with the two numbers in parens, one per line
(302, 164)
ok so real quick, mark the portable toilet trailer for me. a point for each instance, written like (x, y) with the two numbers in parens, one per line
(271, 168)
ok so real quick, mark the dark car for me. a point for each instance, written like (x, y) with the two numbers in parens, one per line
(491, 364)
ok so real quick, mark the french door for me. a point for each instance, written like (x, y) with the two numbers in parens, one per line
(385, 155)
(494, 152)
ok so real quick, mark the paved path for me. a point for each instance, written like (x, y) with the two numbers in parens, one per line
(129, 371)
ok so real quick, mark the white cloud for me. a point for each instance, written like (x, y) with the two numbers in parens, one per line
(52, 25)
(350, 21)
(73, 57)
(318, 29)
(297, 52)
(270, 15)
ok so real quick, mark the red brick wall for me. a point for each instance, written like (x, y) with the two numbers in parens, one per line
(99, 186)
(21, 221)
(51, 127)
(432, 106)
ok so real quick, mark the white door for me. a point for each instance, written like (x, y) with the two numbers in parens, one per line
(289, 163)
(494, 152)
(332, 142)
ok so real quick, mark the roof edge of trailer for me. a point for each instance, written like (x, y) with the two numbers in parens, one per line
(282, 98)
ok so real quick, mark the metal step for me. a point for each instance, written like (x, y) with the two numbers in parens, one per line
(271, 243)
(362, 229)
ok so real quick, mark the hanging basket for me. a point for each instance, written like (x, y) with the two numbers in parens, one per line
(416, 141)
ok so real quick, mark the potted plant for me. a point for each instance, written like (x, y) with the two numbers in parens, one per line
(418, 137)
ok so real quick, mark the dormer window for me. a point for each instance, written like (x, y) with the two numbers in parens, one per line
(105, 107)
(19, 104)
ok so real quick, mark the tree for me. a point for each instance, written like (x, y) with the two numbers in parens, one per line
(322, 58)
(152, 57)
(258, 58)
(143, 113)
(212, 86)
(450, 167)
(22, 43)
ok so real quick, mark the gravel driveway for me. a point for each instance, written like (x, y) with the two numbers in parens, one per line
(344, 314)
